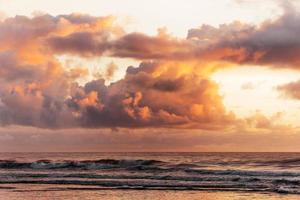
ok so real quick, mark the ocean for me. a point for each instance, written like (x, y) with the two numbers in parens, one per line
(149, 176)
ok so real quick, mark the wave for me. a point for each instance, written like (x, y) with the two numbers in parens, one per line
(85, 164)
(235, 180)
(165, 185)
(149, 174)
(293, 161)
(245, 173)
(139, 165)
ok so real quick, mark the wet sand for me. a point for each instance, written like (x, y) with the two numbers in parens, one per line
(61, 192)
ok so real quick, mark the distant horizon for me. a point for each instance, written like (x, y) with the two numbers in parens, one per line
(152, 152)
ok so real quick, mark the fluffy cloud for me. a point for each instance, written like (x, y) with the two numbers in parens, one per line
(154, 94)
(170, 89)
(34, 84)
(273, 43)
(39, 91)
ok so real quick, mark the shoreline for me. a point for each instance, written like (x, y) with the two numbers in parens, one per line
(50, 191)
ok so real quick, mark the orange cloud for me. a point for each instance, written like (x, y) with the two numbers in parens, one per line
(149, 96)
(273, 43)
(171, 87)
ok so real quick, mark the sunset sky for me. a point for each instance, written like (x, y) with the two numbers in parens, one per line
(132, 75)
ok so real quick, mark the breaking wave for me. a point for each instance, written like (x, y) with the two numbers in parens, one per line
(85, 164)
(159, 174)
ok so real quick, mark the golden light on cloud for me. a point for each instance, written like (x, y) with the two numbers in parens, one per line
(235, 77)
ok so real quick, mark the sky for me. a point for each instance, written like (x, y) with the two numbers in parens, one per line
(136, 75)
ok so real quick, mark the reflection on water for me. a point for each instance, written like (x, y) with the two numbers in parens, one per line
(47, 192)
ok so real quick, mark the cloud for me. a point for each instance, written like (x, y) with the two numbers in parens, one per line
(132, 45)
(11, 70)
(291, 90)
(171, 88)
(273, 43)
(258, 122)
(148, 96)
(155, 94)
(82, 43)
(141, 46)
(40, 92)
(34, 84)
